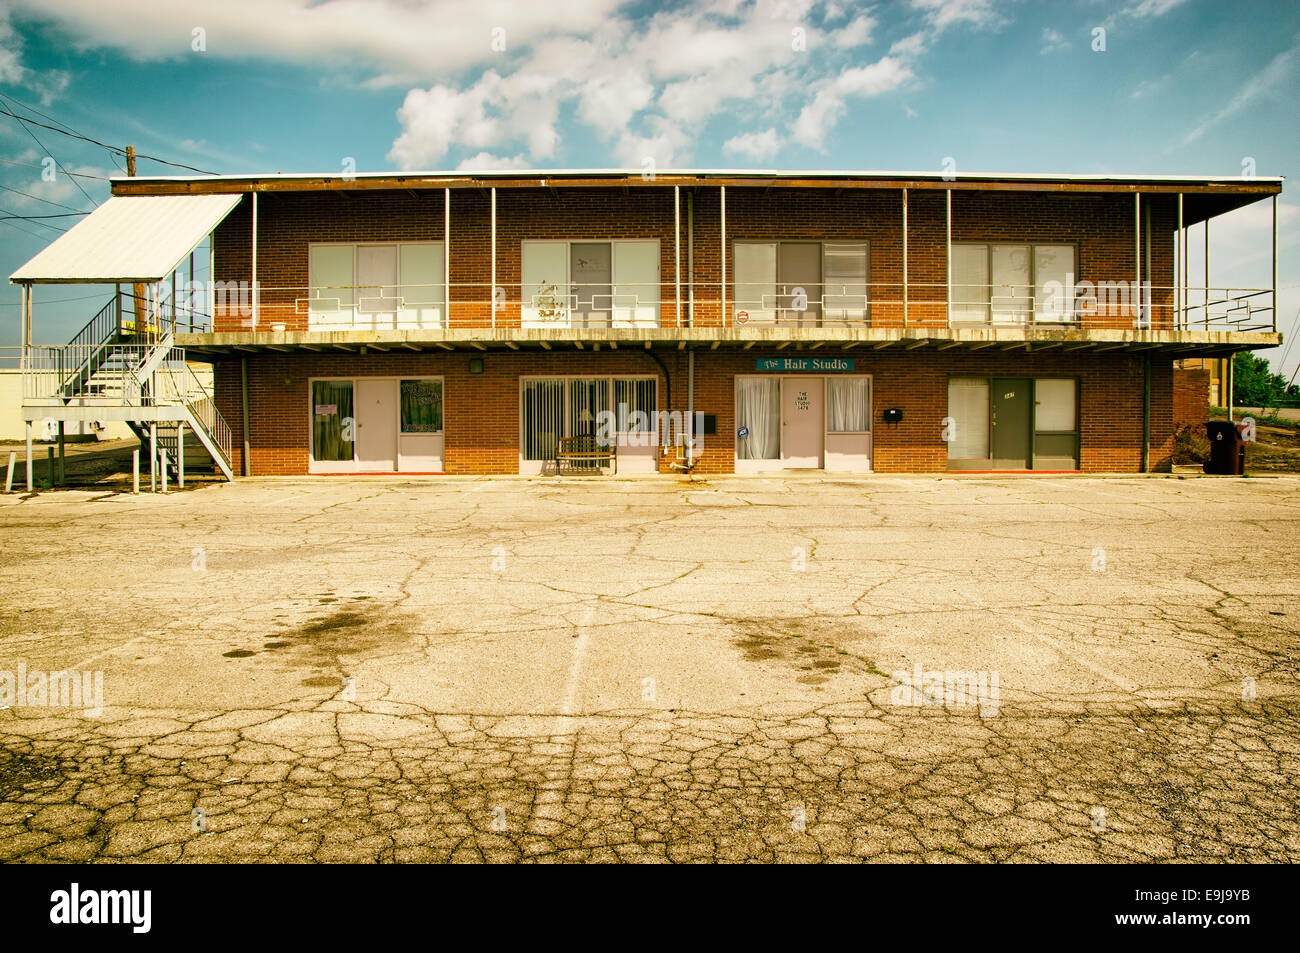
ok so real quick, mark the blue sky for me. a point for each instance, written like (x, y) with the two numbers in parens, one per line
(1182, 86)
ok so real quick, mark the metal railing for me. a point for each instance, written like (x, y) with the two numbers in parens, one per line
(99, 373)
(176, 384)
(478, 305)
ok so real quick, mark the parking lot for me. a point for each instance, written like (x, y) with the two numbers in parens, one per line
(724, 669)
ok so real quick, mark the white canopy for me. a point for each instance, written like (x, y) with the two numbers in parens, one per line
(130, 238)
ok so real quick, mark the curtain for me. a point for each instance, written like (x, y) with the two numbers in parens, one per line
(758, 410)
(543, 403)
(335, 398)
(421, 406)
(849, 403)
(968, 406)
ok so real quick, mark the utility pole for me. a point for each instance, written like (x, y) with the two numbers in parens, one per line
(138, 290)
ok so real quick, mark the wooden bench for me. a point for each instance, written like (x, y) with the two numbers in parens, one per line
(585, 451)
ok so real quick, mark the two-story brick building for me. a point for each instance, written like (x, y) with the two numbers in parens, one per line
(465, 323)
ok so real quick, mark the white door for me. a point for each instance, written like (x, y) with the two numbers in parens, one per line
(377, 295)
(376, 426)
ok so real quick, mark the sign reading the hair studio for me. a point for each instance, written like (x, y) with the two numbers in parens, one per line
(805, 363)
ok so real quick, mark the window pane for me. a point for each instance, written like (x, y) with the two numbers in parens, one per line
(634, 403)
(636, 284)
(330, 272)
(1054, 407)
(844, 269)
(543, 404)
(587, 398)
(1054, 282)
(848, 400)
(1010, 298)
(758, 417)
(970, 278)
(968, 406)
(421, 290)
(545, 291)
(421, 406)
(754, 292)
(331, 406)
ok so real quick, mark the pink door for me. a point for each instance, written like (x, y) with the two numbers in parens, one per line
(376, 426)
(803, 422)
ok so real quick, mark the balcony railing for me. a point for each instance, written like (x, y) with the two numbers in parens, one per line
(1115, 305)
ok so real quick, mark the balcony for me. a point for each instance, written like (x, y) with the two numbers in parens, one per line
(1104, 314)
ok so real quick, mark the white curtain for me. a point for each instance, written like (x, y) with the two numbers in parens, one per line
(758, 410)
(848, 403)
(968, 406)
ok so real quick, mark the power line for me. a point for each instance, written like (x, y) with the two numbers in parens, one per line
(103, 145)
(33, 218)
(27, 231)
(57, 163)
(39, 199)
(7, 215)
(75, 175)
(14, 304)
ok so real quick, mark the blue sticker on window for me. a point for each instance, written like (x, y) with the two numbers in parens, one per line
(742, 433)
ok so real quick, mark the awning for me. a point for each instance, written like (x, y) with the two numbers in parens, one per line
(136, 238)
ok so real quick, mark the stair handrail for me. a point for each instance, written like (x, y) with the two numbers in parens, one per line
(184, 385)
(99, 331)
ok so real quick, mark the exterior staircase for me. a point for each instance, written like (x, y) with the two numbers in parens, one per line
(122, 371)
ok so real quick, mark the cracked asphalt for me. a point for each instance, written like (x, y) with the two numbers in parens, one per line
(648, 670)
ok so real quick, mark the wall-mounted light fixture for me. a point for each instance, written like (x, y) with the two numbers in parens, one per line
(476, 365)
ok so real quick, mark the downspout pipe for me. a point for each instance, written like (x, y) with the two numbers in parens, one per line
(1146, 413)
(690, 407)
(243, 386)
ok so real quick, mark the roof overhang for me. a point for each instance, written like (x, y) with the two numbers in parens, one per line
(138, 238)
(1204, 195)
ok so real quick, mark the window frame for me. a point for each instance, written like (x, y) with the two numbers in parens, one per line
(1072, 316)
(821, 300)
(1034, 432)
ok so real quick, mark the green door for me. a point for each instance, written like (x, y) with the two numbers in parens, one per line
(1012, 422)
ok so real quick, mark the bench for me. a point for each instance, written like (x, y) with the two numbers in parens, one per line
(585, 452)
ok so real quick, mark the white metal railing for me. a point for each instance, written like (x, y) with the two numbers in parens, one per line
(1101, 304)
(176, 384)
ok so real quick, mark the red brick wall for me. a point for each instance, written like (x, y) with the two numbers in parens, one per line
(482, 411)
(1100, 224)
(1191, 396)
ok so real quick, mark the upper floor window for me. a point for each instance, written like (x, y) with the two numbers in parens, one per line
(800, 284)
(590, 284)
(1012, 283)
(374, 286)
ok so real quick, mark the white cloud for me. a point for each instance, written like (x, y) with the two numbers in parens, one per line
(945, 13)
(856, 33)
(11, 66)
(398, 39)
(643, 83)
(828, 105)
(485, 161)
(755, 145)
(1272, 77)
(1151, 8)
(1053, 40)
